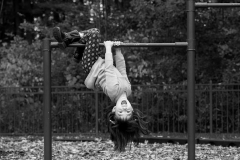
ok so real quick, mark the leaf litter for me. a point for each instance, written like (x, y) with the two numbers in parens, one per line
(27, 149)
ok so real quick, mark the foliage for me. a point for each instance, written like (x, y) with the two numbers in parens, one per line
(222, 33)
(152, 21)
(145, 21)
(23, 63)
(165, 21)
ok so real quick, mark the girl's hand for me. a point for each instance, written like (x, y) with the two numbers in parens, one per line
(117, 49)
(117, 43)
(108, 44)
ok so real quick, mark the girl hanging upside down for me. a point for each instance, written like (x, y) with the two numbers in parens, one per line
(124, 122)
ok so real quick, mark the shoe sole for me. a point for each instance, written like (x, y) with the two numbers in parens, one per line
(57, 36)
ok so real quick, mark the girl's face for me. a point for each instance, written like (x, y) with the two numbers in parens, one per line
(123, 108)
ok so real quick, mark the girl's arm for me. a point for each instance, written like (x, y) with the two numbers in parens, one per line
(120, 62)
(112, 83)
(108, 55)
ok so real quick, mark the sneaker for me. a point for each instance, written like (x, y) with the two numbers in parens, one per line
(60, 37)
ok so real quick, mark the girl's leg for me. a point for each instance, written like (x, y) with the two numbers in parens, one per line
(65, 38)
(92, 51)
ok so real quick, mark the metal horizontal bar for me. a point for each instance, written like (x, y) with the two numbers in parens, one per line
(176, 44)
(199, 5)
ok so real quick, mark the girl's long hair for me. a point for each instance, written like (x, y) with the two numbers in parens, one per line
(124, 131)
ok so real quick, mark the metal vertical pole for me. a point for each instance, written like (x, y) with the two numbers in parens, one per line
(47, 99)
(211, 108)
(191, 78)
(96, 111)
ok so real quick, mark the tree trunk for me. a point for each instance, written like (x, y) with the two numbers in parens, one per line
(16, 17)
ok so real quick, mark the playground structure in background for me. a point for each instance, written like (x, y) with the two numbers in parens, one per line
(190, 44)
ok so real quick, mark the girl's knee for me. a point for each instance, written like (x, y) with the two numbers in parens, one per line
(93, 33)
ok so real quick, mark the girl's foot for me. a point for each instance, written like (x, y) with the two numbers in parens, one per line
(60, 37)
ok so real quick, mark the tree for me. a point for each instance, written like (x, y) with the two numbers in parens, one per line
(45, 15)
(21, 64)
(142, 21)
